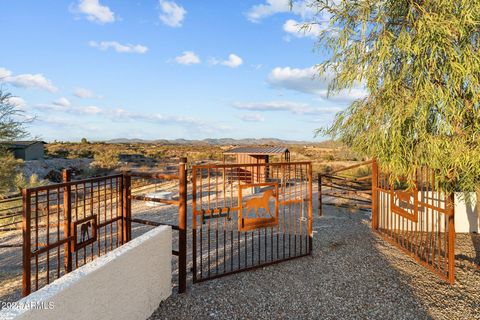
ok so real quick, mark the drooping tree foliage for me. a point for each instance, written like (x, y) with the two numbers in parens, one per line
(420, 61)
(11, 127)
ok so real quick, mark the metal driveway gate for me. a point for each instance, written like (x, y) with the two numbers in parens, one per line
(419, 220)
(249, 215)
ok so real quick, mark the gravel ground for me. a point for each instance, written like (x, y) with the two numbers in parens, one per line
(352, 273)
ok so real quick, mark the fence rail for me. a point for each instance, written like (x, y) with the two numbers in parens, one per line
(348, 187)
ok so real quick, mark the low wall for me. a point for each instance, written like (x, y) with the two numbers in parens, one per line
(126, 283)
(467, 216)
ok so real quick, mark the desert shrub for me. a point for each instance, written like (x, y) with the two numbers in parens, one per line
(8, 172)
(33, 181)
(106, 160)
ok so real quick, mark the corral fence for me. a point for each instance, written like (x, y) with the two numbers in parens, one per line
(419, 220)
(240, 219)
(349, 187)
(69, 224)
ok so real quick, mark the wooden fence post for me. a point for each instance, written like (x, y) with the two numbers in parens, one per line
(182, 225)
(27, 250)
(374, 195)
(319, 195)
(67, 221)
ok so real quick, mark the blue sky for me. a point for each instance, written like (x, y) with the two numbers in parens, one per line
(158, 69)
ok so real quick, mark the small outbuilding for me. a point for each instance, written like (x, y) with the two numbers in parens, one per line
(26, 150)
(257, 155)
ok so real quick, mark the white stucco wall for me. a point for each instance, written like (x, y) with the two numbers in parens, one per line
(126, 283)
(467, 216)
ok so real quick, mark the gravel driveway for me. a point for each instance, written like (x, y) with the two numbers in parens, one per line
(352, 274)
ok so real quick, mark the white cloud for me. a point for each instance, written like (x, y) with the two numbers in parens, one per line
(188, 122)
(51, 107)
(252, 117)
(63, 107)
(233, 61)
(84, 93)
(296, 29)
(95, 11)
(286, 106)
(172, 14)
(62, 102)
(308, 81)
(271, 7)
(92, 110)
(118, 47)
(27, 80)
(188, 57)
(17, 102)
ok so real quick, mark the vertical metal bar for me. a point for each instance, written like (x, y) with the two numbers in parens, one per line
(48, 235)
(451, 238)
(182, 226)
(194, 223)
(127, 182)
(36, 239)
(67, 221)
(310, 211)
(26, 230)
(76, 219)
(319, 195)
(98, 219)
(121, 206)
(58, 232)
(375, 195)
(111, 213)
(105, 236)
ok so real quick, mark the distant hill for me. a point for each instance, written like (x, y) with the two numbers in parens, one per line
(222, 142)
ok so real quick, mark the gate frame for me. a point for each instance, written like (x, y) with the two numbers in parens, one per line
(309, 192)
(124, 218)
(450, 215)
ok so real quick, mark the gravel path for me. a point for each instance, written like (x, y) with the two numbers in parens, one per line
(352, 273)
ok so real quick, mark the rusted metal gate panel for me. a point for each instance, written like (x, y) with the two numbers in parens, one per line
(240, 223)
(418, 220)
(349, 187)
(67, 225)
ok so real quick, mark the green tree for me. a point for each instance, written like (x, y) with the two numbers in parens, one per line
(420, 61)
(11, 127)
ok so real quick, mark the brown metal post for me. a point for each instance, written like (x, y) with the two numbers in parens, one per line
(451, 239)
(67, 221)
(127, 207)
(319, 195)
(374, 195)
(26, 224)
(121, 223)
(182, 225)
(310, 211)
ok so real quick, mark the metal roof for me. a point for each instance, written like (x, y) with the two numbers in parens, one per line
(257, 150)
(20, 144)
